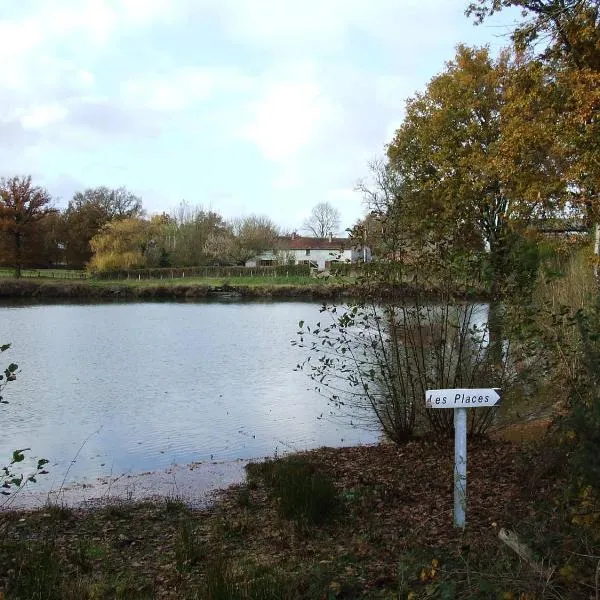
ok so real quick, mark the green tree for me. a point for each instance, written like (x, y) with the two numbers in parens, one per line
(22, 207)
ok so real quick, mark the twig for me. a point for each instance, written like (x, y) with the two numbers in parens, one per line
(74, 460)
(511, 539)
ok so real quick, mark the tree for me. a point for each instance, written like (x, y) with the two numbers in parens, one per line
(22, 207)
(117, 203)
(121, 245)
(448, 153)
(88, 212)
(383, 228)
(571, 26)
(253, 234)
(324, 220)
(570, 57)
(201, 235)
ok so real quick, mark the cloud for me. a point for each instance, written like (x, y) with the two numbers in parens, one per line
(107, 118)
(183, 87)
(38, 117)
(295, 98)
(287, 112)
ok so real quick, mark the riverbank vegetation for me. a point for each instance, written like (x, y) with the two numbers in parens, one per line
(369, 522)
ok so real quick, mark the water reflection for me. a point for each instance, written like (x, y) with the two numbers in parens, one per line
(138, 386)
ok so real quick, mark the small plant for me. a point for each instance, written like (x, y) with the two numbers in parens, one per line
(243, 497)
(84, 554)
(303, 494)
(175, 505)
(58, 511)
(189, 551)
(225, 583)
(11, 481)
(37, 574)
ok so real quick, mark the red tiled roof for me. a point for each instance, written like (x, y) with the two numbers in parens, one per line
(312, 243)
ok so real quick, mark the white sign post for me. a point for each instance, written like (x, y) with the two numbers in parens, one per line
(460, 400)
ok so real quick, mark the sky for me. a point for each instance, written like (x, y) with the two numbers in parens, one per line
(263, 107)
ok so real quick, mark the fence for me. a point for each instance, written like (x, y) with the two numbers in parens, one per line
(46, 273)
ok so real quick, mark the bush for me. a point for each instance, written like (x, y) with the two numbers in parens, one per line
(374, 361)
(581, 427)
(303, 494)
(206, 271)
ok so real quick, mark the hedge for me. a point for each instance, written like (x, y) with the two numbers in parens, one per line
(216, 272)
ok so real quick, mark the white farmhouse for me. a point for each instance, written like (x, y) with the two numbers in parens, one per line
(320, 253)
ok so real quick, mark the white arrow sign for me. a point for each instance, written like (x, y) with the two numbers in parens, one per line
(462, 398)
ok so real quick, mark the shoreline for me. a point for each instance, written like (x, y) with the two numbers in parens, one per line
(383, 529)
(11, 289)
(194, 483)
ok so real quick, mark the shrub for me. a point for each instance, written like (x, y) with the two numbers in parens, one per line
(582, 424)
(303, 494)
(375, 360)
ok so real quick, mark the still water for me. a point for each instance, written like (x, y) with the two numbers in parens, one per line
(106, 389)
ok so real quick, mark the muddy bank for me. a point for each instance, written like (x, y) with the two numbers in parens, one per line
(11, 288)
(193, 484)
(23, 288)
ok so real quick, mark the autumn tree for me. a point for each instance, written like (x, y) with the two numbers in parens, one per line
(201, 237)
(22, 207)
(253, 234)
(88, 212)
(569, 54)
(117, 203)
(324, 219)
(121, 244)
(448, 155)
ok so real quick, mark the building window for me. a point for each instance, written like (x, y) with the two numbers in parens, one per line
(308, 252)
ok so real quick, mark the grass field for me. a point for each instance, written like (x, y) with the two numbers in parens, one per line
(218, 281)
(62, 274)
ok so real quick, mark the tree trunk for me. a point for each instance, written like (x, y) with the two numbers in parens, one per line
(597, 251)
(18, 254)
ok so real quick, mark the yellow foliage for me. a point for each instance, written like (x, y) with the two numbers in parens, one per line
(567, 573)
(121, 245)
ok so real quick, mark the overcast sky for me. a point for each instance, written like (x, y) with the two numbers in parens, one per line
(244, 106)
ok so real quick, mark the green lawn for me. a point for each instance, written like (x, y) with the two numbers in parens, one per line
(65, 274)
(220, 281)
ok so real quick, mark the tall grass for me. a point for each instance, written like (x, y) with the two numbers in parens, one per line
(303, 494)
(224, 582)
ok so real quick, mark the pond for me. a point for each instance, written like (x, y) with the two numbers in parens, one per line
(126, 388)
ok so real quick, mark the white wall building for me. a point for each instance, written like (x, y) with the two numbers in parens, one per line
(318, 252)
